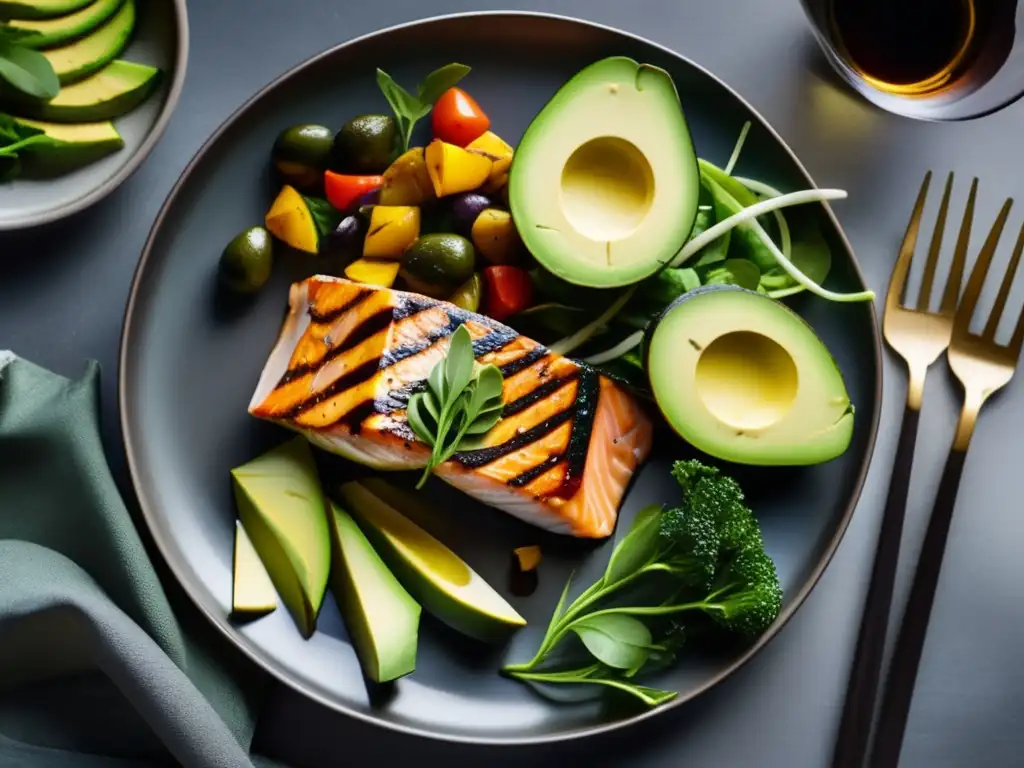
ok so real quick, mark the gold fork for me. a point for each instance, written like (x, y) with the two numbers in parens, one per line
(919, 336)
(983, 367)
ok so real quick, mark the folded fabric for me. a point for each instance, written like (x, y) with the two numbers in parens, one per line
(95, 667)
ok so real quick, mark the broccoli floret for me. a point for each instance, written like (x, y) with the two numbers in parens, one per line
(706, 488)
(746, 596)
(688, 544)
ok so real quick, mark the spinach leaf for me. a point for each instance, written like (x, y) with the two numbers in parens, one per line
(614, 642)
(637, 547)
(325, 216)
(735, 190)
(734, 272)
(28, 71)
(439, 81)
(811, 255)
(657, 292)
(745, 243)
(409, 109)
(717, 249)
(598, 674)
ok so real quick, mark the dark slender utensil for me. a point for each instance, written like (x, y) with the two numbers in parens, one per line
(983, 367)
(919, 336)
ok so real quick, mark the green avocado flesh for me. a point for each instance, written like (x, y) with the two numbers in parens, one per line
(381, 617)
(604, 186)
(282, 507)
(743, 378)
(110, 93)
(433, 574)
(39, 9)
(73, 146)
(51, 32)
(253, 593)
(81, 58)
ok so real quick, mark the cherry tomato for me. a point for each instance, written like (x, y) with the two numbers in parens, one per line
(345, 192)
(508, 291)
(458, 119)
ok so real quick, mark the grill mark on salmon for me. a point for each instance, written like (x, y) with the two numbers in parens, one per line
(538, 393)
(483, 456)
(582, 429)
(358, 375)
(530, 475)
(523, 362)
(371, 326)
(329, 317)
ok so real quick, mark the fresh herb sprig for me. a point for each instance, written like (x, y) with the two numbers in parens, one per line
(25, 69)
(410, 109)
(463, 399)
(702, 562)
(15, 138)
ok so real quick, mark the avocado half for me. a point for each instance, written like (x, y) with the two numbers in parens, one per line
(745, 379)
(604, 186)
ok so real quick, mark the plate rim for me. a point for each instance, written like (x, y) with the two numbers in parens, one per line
(276, 670)
(93, 196)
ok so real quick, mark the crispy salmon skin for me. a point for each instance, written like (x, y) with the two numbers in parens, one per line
(349, 356)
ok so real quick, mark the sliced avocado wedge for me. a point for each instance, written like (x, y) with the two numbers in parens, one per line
(282, 507)
(110, 93)
(253, 593)
(743, 378)
(71, 146)
(48, 33)
(604, 185)
(39, 9)
(381, 617)
(81, 58)
(433, 574)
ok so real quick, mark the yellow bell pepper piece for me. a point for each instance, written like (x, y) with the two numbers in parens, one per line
(373, 272)
(290, 221)
(500, 152)
(392, 229)
(453, 169)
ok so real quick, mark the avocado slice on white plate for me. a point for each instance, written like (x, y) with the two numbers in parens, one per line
(71, 146)
(253, 592)
(81, 58)
(743, 378)
(48, 33)
(604, 186)
(434, 575)
(110, 93)
(382, 619)
(39, 9)
(282, 506)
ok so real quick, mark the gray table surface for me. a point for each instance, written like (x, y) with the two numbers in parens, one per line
(782, 709)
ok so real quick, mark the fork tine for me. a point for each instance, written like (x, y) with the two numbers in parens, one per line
(1018, 336)
(973, 291)
(1004, 290)
(956, 269)
(933, 250)
(900, 271)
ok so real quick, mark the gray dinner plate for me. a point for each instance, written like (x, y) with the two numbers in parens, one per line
(160, 39)
(190, 359)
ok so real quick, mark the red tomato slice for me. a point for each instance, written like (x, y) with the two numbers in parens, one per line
(508, 291)
(344, 192)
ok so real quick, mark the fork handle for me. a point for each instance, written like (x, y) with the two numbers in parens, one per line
(862, 689)
(906, 659)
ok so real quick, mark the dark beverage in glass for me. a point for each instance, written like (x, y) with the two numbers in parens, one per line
(930, 59)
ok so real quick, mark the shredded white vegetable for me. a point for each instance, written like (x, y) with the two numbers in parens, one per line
(617, 351)
(734, 158)
(760, 188)
(569, 343)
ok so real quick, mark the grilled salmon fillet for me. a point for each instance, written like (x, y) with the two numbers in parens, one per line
(350, 356)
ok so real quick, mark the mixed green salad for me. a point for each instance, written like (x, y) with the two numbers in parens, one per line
(606, 238)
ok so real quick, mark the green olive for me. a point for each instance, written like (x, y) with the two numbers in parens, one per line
(436, 265)
(246, 261)
(301, 153)
(365, 145)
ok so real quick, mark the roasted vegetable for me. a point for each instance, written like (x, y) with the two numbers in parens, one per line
(436, 265)
(346, 193)
(495, 236)
(468, 294)
(528, 557)
(345, 241)
(300, 221)
(406, 181)
(500, 152)
(393, 228)
(301, 153)
(365, 145)
(465, 207)
(507, 291)
(380, 272)
(246, 261)
(457, 118)
(453, 169)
